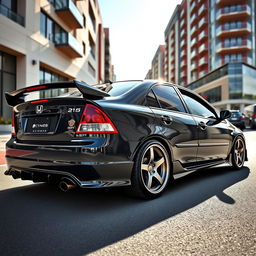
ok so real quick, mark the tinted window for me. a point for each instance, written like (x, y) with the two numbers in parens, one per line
(117, 89)
(196, 108)
(168, 98)
(151, 100)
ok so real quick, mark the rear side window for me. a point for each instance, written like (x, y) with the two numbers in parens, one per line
(168, 98)
(151, 100)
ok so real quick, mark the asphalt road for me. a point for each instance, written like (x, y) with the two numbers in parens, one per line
(209, 212)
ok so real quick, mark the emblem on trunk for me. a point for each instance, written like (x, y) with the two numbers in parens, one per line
(71, 122)
(39, 109)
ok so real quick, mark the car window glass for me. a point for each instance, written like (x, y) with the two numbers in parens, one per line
(168, 98)
(196, 108)
(151, 100)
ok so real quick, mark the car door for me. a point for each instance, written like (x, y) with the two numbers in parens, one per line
(214, 137)
(178, 127)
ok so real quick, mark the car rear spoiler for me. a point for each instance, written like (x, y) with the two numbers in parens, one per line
(89, 92)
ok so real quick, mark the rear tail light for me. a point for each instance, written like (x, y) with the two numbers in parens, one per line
(254, 116)
(94, 120)
(13, 124)
(242, 117)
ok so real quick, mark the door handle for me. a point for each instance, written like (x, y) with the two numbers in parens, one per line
(167, 119)
(202, 125)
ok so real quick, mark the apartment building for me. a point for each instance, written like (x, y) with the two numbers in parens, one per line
(49, 40)
(206, 36)
(157, 65)
(109, 68)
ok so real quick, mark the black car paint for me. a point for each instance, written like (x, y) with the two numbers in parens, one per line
(96, 160)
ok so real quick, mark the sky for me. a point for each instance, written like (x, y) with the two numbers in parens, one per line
(136, 30)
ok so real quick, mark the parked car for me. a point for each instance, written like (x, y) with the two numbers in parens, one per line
(139, 134)
(250, 111)
(238, 119)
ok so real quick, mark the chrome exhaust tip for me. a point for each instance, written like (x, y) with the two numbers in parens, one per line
(66, 185)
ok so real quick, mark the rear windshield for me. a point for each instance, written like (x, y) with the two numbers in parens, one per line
(117, 89)
(235, 114)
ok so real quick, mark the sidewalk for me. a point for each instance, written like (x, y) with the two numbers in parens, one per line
(4, 137)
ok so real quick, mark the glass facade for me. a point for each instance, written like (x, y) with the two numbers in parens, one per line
(7, 82)
(212, 95)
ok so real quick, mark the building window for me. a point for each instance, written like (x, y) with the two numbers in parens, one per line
(92, 46)
(91, 69)
(48, 76)
(84, 21)
(84, 48)
(9, 9)
(7, 82)
(213, 95)
(51, 30)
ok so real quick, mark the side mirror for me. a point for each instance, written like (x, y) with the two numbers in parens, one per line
(224, 114)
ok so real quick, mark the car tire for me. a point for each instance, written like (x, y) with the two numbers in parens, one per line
(151, 171)
(238, 154)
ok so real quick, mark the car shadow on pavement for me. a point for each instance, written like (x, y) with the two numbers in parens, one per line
(40, 220)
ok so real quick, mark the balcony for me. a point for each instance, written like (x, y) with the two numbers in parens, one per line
(11, 15)
(193, 54)
(193, 30)
(193, 66)
(202, 9)
(203, 61)
(192, 6)
(182, 23)
(67, 10)
(202, 48)
(182, 13)
(183, 74)
(243, 46)
(193, 19)
(221, 3)
(68, 44)
(182, 53)
(182, 33)
(183, 63)
(193, 42)
(202, 35)
(202, 23)
(236, 30)
(182, 43)
(202, 73)
(234, 12)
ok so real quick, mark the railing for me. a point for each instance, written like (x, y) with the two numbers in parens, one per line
(68, 5)
(202, 48)
(193, 54)
(192, 6)
(202, 61)
(201, 9)
(233, 9)
(66, 38)
(11, 15)
(193, 41)
(193, 30)
(201, 22)
(202, 35)
(230, 44)
(234, 26)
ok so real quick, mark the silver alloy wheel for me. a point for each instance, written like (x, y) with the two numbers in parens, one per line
(155, 168)
(239, 152)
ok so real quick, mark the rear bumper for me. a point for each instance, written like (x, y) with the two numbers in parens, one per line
(87, 167)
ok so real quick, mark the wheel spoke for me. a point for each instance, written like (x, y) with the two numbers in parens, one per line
(152, 155)
(159, 162)
(149, 182)
(144, 167)
(159, 178)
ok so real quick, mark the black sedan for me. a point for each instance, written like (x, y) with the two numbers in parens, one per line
(139, 134)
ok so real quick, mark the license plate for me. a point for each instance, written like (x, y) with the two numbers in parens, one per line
(233, 119)
(41, 125)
